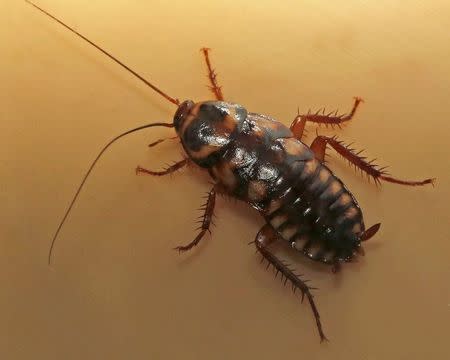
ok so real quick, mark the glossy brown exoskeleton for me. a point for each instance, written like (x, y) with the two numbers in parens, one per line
(258, 160)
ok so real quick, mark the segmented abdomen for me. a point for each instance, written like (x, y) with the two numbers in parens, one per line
(298, 196)
(317, 215)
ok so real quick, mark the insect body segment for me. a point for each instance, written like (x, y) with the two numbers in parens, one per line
(298, 196)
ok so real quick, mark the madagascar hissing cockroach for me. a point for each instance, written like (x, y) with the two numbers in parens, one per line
(253, 158)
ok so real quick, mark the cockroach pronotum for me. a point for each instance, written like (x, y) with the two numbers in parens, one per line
(256, 159)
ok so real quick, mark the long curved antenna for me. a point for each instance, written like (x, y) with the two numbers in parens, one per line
(66, 214)
(146, 82)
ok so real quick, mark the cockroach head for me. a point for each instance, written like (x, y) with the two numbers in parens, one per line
(206, 128)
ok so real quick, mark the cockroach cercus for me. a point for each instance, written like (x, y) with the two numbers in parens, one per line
(257, 159)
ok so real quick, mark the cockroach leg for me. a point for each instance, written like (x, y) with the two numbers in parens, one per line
(169, 170)
(263, 239)
(298, 126)
(205, 221)
(319, 145)
(212, 76)
(332, 118)
(159, 141)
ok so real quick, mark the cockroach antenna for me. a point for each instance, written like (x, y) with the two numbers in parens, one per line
(146, 82)
(75, 197)
(171, 99)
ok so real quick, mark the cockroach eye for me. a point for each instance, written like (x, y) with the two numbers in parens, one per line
(182, 113)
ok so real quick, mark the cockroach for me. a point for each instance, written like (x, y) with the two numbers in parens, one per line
(256, 159)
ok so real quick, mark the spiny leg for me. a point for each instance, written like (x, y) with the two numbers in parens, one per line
(319, 145)
(298, 125)
(206, 220)
(169, 170)
(264, 238)
(212, 76)
(159, 141)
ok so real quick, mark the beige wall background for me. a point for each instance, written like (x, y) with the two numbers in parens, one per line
(116, 290)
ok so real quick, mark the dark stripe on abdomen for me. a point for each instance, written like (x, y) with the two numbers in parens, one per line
(317, 215)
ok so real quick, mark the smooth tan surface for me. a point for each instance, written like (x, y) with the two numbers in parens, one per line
(116, 290)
